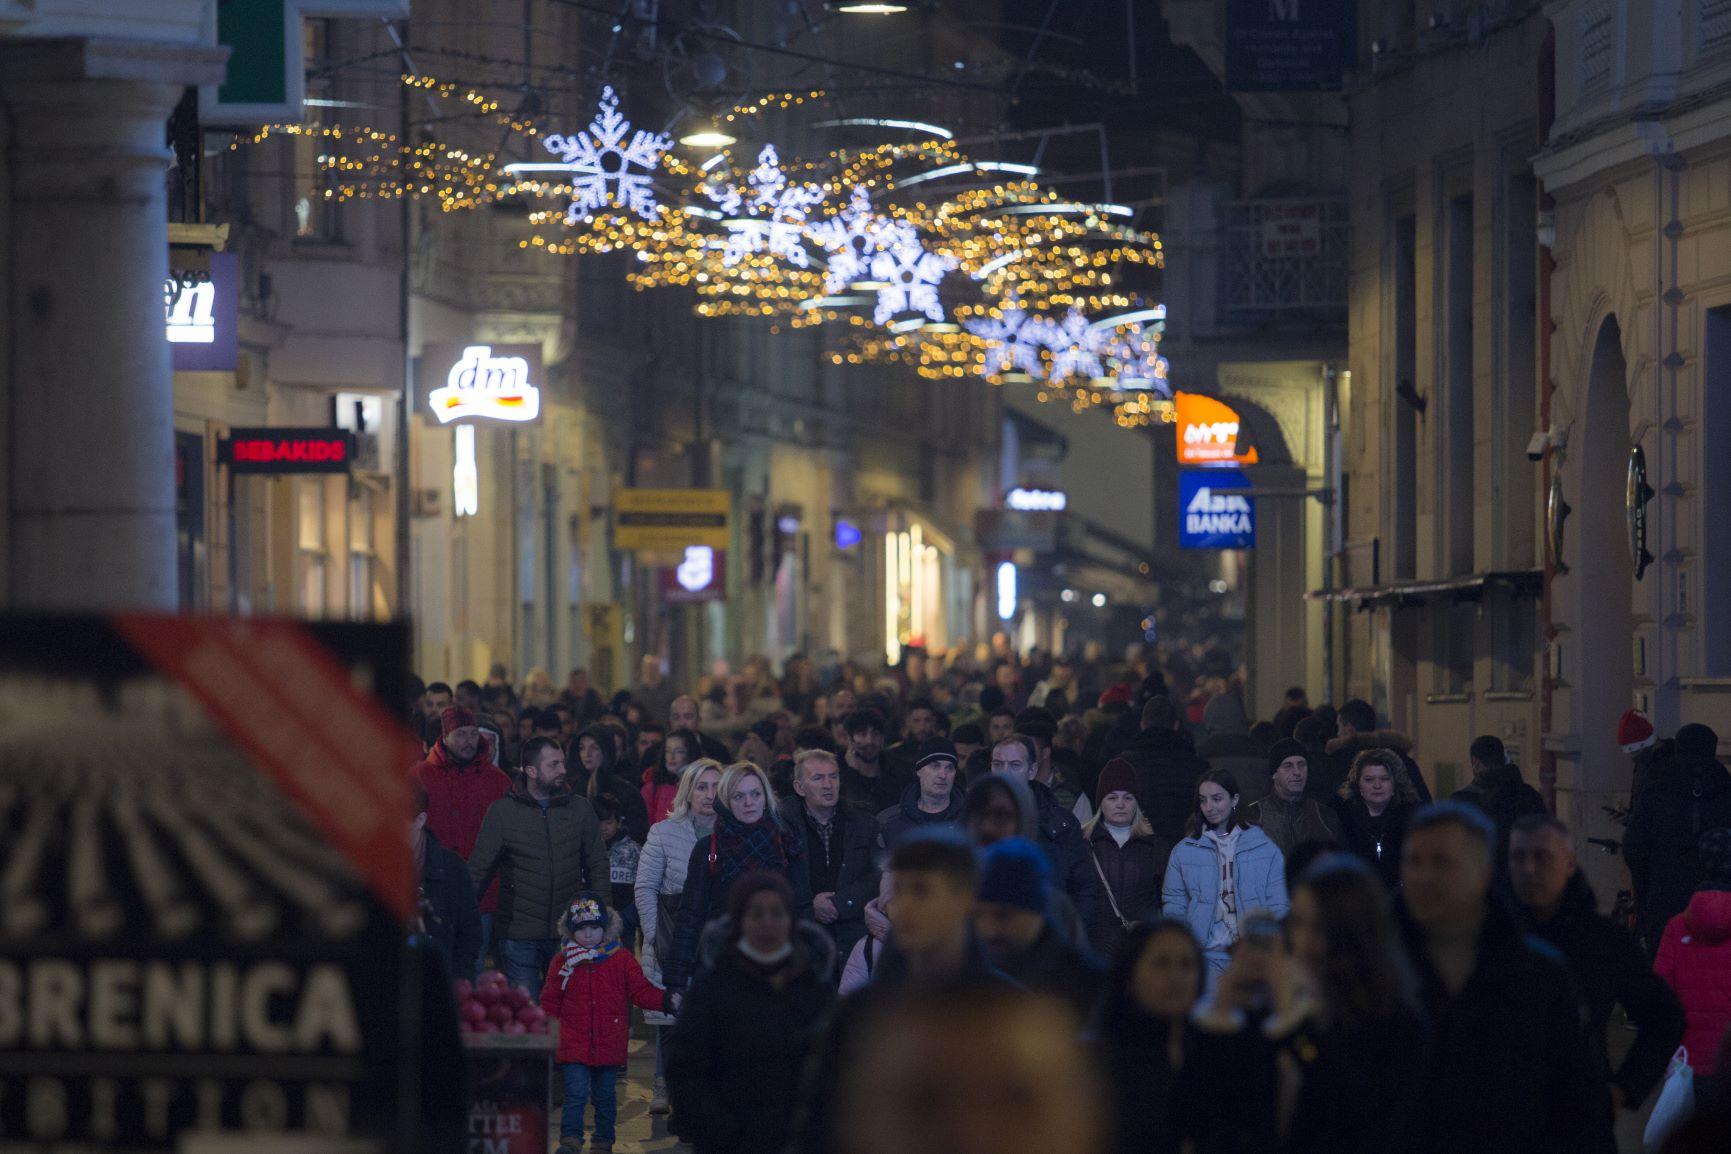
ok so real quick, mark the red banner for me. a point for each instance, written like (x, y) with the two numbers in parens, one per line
(331, 747)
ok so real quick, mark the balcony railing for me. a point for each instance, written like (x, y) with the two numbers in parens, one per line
(1286, 258)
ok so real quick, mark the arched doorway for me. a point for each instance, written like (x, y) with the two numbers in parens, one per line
(1602, 568)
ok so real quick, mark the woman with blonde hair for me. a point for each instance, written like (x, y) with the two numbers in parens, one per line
(747, 836)
(1375, 802)
(660, 883)
(539, 690)
(1127, 855)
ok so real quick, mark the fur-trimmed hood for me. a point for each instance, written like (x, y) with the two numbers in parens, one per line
(615, 925)
(809, 941)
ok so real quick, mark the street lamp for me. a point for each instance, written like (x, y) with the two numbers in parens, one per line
(863, 8)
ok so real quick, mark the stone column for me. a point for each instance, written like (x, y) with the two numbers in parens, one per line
(89, 454)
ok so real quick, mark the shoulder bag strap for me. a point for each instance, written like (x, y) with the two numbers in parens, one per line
(1107, 886)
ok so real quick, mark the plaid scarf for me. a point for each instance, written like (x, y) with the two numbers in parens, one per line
(736, 849)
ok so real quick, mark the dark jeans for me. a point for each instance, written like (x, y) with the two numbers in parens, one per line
(487, 942)
(581, 1083)
(525, 961)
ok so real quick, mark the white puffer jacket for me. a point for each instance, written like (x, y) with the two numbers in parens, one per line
(661, 870)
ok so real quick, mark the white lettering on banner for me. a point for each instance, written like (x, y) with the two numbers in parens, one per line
(483, 385)
(1210, 512)
(1218, 433)
(191, 311)
(1036, 500)
(122, 1005)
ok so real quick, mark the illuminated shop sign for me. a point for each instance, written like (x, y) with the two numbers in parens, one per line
(1212, 511)
(278, 451)
(200, 310)
(700, 576)
(1208, 433)
(1036, 500)
(465, 475)
(488, 382)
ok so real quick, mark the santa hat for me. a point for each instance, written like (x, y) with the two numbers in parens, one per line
(1116, 695)
(1634, 731)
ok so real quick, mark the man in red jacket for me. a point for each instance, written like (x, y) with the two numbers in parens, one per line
(462, 780)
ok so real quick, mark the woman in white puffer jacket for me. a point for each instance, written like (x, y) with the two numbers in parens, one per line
(661, 876)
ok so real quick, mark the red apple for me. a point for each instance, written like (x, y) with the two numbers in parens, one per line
(487, 995)
(486, 1028)
(515, 1028)
(473, 1011)
(502, 1015)
(462, 989)
(492, 978)
(541, 1027)
(529, 1015)
(518, 997)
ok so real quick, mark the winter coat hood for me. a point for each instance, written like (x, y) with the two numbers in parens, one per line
(1681, 778)
(1708, 917)
(810, 943)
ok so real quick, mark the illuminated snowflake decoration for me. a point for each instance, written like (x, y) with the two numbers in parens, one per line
(1136, 361)
(1076, 348)
(854, 236)
(603, 164)
(1013, 341)
(910, 273)
(770, 213)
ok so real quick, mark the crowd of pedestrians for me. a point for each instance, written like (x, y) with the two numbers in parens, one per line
(1052, 904)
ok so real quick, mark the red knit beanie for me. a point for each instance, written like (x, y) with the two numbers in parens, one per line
(455, 717)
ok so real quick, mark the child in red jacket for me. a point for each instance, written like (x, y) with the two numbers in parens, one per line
(590, 988)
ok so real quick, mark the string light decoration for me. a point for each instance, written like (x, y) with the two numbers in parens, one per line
(601, 163)
(1030, 279)
(768, 215)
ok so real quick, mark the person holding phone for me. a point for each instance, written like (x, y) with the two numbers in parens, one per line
(1318, 1030)
(1221, 870)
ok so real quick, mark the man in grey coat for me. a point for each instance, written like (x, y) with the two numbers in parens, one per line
(545, 844)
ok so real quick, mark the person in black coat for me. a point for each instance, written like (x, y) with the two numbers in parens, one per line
(1166, 768)
(1503, 794)
(1322, 1049)
(449, 913)
(1145, 1038)
(1607, 965)
(739, 1047)
(747, 837)
(1510, 1071)
(841, 845)
(1056, 829)
(1128, 858)
(931, 800)
(601, 773)
(1680, 798)
(1020, 939)
(1375, 803)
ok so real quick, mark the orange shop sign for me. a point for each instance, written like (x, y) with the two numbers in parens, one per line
(1208, 433)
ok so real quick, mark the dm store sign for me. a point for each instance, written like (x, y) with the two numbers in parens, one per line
(1213, 512)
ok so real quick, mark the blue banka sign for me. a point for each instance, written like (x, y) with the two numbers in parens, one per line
(1289, 45)
(1213, 510)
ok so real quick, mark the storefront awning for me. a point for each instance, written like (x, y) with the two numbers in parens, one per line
(1514, 582)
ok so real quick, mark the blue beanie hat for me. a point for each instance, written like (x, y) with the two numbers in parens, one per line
(1015, 872)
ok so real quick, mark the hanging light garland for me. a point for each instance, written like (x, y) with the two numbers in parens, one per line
(864, 239)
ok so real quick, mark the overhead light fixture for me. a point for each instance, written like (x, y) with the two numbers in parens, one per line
(708, 136)
(866, 7)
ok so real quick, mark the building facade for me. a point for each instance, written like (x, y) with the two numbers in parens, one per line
(1637, 172)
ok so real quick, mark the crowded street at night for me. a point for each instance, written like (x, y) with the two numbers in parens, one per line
(825, 577)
